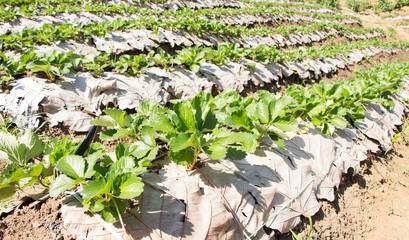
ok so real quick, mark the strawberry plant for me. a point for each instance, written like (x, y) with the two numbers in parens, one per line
(264, 116)
(102, 185)
(20, 173)
(103, 180)
(55, 63)
(191, 57)
(118, 120)
(98, 64)
(191, 128)
(133, 64)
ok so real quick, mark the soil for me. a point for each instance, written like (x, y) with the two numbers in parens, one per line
(41, 221)
(374, 20)
(367, 206)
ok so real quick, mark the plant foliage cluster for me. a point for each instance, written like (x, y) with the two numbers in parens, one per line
(204, 128)
(48, 33)
(54, 64)
(380, 6)
(10, 11)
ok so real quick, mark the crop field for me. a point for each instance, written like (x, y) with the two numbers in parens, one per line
(194, 119)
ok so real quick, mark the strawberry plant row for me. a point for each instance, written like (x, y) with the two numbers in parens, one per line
(209, 13)
(40, 2)
(48, 34)
(144, 40)
(49, 62)
(8, 14)
(304, 4)
(159, 84)
(227, 126)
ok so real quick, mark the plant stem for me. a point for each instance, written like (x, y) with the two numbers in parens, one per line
(42, 184)
(120, 219)
(191, 166)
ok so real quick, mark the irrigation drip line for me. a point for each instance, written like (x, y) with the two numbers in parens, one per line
(87, 141)
(362, 134)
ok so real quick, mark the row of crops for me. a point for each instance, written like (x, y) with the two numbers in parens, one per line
(164, 80)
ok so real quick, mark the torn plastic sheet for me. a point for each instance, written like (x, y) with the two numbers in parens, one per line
(33, 95)
(353, 147)
(186, 85)
(230, 76)
(22, 104)
(375, 128)
(320, 151)
(75, 120)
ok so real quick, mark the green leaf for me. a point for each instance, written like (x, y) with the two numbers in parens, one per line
(112, 134)
(327, 129)
(10, 146)
(6, 192)
(160, 122)
(119, 116)
(195, 68)
(339, 122)
(315, 108)
(183, 157)
(215, 151)
(235, 153)
(73, 166)
(317, 120)
(278, 140)
(251, 146)
(152, 154)
(122, 165)
(241, 118)
(262, 112)
(60, 184)
(276, 106)
(141, 150)
(336, 91)
(17, 176)
(124, 150)
(203, 106)
(128, 186)
(184, 112)
(97, 206)
(286, 124)
(148, 136)
(226, 119)
(104, 121)
(147, 107)
(25, 182)
(320, 90)
(33, 143)
(94, 188)
(182, 141)
(110, 213)
(90, 163)
(37, 170)
(235, 137)
(251, 65)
